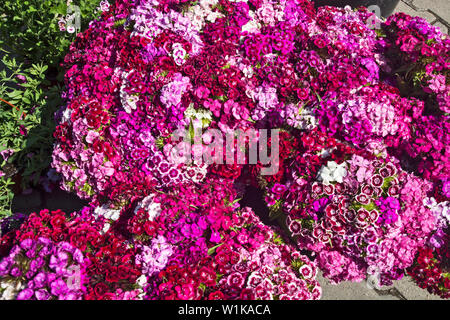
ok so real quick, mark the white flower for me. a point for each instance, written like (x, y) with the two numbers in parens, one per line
(142, 280)
(129, 102)
(332, 172)
(205, 115)
(66, 115)
(430, 202)
(446, 213)
(113, 214)
(207, 4)
(441, 210)
(201, 118)
(106, 228)
(104, 5)
(11, 290)
(252, 26)
(8, 294)
(213, 16)
(178, 53)
(301, 118)
(105, 212)
(247, 71)
(190, 111)
(153, 208)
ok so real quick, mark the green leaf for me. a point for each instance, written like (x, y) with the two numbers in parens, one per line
(14, 93)
(212, 250)
(236, 200)
(26, 100)
(191, 130)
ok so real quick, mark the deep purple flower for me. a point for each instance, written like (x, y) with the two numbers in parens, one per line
(58, 287)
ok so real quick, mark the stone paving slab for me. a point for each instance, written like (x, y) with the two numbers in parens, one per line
(413, 292)
(349, 291)
(440, 7)
(436, 12)
(404, 289)
(403, 7)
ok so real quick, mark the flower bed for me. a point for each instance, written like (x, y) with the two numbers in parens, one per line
(358, 122)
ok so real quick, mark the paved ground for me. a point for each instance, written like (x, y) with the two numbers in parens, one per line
(404, 289)
(436, 12)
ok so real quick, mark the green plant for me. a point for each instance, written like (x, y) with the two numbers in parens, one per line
(22, 94)
(31, 46)
(29, 29)
(27, 104)
(6, 196)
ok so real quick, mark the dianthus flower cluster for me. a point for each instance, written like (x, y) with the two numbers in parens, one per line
(360, 107)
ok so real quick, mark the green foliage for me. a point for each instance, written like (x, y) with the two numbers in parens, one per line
(26, 124)
(31, 46)
(30, 31)
(212, 250)
(6, 196)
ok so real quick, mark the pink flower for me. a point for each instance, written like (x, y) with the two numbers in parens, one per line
(185, 291)
(91, 136)
(437, 83)
(215, 237)
(235, 280)
(202, 92)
